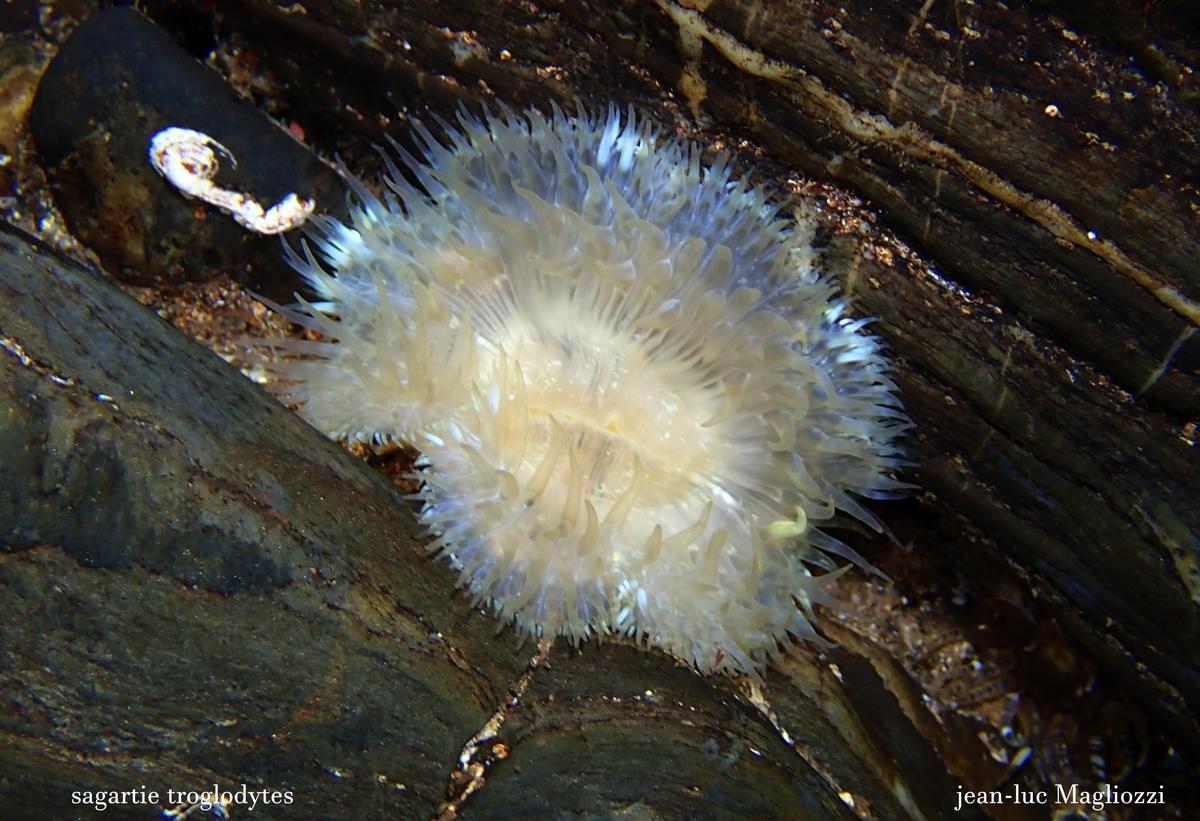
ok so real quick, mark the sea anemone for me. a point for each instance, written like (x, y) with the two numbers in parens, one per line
(636, 400)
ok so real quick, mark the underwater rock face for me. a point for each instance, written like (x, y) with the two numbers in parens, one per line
(117, 82)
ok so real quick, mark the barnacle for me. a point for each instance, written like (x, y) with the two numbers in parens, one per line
(637, 401)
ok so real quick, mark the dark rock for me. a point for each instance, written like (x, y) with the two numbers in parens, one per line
(116, 82)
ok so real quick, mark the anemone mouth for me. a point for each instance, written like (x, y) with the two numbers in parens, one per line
(636, 401)
(600, 389)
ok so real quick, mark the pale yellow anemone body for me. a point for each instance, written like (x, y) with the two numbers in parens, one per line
(637, 402)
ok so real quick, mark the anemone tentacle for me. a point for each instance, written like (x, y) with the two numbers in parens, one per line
(636, 398)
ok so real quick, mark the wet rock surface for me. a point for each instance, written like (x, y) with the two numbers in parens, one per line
(116, 82)
(1042, 623)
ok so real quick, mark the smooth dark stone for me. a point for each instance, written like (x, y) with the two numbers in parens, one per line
(116, 82)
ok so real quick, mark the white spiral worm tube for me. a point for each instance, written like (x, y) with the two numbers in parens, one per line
(188, 160)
